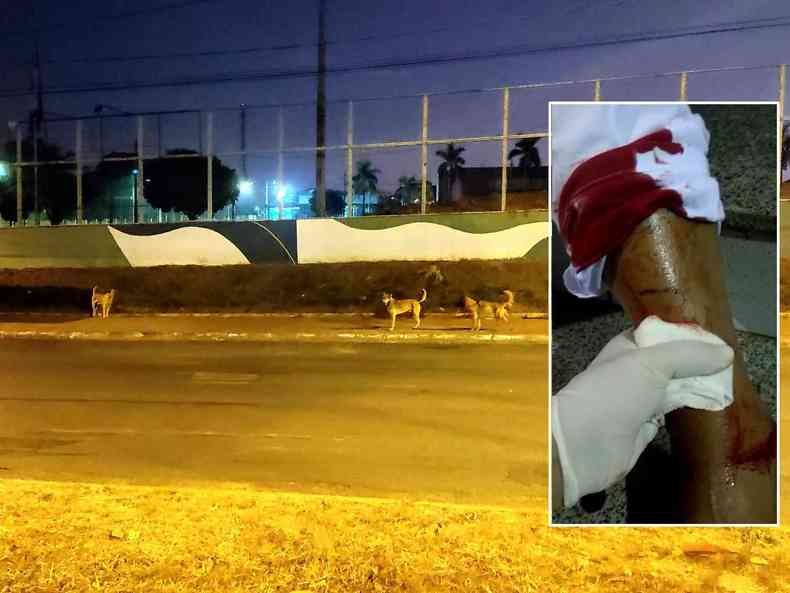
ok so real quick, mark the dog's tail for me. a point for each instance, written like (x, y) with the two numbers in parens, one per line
(510, 297)
(424, 296)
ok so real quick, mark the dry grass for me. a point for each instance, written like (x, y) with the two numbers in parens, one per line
(274, 287)
(85, 537)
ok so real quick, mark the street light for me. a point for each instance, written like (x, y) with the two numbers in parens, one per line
(5, 171)
(246, 186)
(135, 174)
(280, 194)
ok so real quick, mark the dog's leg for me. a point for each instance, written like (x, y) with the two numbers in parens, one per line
(416, 311)
(392, 326)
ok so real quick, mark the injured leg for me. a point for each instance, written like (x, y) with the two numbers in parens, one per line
(671, 267)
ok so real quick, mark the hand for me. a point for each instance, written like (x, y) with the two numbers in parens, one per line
(604, 418)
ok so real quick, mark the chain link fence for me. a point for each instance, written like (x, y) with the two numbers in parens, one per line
(475, 150)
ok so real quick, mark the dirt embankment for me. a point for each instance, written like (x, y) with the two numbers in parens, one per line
(351, 287)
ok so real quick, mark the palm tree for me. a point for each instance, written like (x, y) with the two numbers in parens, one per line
(365, 181)
(408, 188)
(528, 155)
(453, 162)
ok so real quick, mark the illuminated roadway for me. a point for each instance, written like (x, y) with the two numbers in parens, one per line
(461, 422)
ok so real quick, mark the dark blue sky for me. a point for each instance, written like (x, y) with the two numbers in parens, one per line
(78, 37)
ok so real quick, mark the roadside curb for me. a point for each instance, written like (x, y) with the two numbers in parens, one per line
(344, 336)
(270, 315)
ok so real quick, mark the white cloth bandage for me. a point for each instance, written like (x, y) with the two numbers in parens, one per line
(581, 131)
(713, 392)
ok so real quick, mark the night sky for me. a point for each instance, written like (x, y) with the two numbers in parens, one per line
(82, 43)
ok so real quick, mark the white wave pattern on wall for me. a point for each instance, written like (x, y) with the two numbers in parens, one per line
(325, 241)
(179, 247)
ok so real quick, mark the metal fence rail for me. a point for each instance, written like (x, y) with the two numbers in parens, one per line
(207, 149)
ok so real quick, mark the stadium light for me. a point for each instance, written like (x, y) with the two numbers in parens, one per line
(245, 187)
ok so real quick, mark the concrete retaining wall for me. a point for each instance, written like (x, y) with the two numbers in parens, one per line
(438, 237)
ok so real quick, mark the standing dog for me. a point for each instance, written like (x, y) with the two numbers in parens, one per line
(101, 300)
(397, 306)
(500, 310)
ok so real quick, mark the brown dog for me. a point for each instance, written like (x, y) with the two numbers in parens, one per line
(396, 307)
(103, 301)
(499, 310)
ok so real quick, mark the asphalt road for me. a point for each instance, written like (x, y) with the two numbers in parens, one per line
(464, 423)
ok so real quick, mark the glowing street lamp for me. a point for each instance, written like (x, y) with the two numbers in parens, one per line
(246, 186)
(5, 171)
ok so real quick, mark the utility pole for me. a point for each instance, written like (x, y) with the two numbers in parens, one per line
(320, 114)
(38, 115)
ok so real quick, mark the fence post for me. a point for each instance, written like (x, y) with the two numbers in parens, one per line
(782, 84)
(684, 79)
(140, 169)
(424, 157)
(280, 163)
(350, 160)
(597, 91)
(505, 143)
(209, 165)
(78, 151)
(36, 216)
(19, 209)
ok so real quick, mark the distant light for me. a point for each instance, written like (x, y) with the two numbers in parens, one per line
(282, 191)
(135, 172)
(246, 186)
(4, 170)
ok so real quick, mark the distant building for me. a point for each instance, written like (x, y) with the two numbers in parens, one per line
(482, 182)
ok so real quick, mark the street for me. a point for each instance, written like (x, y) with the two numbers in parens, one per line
(461, 423)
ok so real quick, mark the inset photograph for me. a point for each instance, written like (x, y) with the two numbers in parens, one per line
(664, 313)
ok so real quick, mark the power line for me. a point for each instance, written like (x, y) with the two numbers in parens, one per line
(515, 51)
(306, 46)
(109, 17)
(281, 47)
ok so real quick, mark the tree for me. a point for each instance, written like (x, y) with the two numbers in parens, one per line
(57, 186)
(785, 146)
(335, 203)
(179, 184)
(527, 153)
(365, 181)
(453, 163)
(108, 189)
(409, 189)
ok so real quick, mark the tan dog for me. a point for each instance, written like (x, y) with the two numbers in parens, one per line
(396, 307)
(101, 300)
(500, 310)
